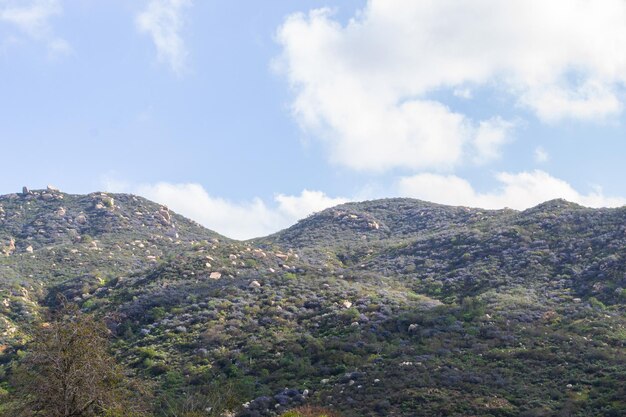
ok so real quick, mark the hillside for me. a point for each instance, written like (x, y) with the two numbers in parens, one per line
(388, 307)
(48, 237)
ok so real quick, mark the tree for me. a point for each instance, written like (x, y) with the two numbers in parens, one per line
(68, 371)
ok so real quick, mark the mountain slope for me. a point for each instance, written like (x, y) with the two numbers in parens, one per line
(463, 248)
(372, 225)
(47, 237)
(388, 307)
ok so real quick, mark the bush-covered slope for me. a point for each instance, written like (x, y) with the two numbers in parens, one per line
(389, 307)
(47, 237)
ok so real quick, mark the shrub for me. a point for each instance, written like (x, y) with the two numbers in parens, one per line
(309, 411)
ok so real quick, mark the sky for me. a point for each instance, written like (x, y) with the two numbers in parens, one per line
(247, 116)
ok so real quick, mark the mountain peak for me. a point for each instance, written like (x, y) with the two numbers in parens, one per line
(556, 204)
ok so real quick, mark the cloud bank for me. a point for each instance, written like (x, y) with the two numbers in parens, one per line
(368, 88)
(519, 191)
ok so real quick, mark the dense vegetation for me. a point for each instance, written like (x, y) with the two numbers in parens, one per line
(388, 307)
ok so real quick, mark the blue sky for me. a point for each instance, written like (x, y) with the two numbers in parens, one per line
(247, 116)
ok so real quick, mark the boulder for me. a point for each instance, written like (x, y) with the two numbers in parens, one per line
(10, 248)
(165, 215)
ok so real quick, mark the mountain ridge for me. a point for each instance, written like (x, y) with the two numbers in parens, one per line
(53, 194)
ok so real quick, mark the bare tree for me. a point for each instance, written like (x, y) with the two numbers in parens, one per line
(69, 372)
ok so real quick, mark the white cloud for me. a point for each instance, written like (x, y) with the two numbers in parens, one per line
(541, 155)
(489, 138)
(298, 207)
(32, 18)
(519, 191)
(239, 220)
(464, 93)
(163, 21)
(591, 100)
(366, 87)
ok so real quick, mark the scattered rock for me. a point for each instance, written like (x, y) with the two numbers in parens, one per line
(9, 248)
(259, 253)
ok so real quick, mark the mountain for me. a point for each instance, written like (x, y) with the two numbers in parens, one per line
(48, 237)
(386, 307)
